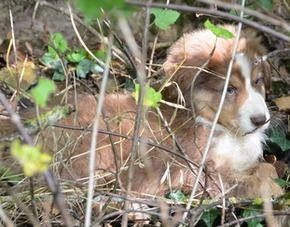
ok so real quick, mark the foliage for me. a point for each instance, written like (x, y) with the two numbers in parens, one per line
(92, 9)
(282, 183)
(266, 4)
(59, 56)
(31, 158)
(151, 97)
(48, 118)
(209, 216)
(42, 90)
(177, 196)
(76, 56)
(218, 31)
(164, 18)
(277, 136)
(59, 42)
(255, 222)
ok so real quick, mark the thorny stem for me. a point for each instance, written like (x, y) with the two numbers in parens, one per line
(214, 123)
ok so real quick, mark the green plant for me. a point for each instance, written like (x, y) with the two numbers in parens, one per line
(42, 90)
(59, 56)
(164, 18)
(218, 31)
(151, 97)
(30, 157)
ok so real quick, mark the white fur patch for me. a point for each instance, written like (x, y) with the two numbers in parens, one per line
(240, 152)
(255, 103)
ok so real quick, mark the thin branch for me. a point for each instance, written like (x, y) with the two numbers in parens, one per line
(271, 54)
(216, 117)
(92, 152)
(214, 12)
(140, 140)
(5, 219)
(265, 18)
(241, 220)
(116, 52)
(101, 63)
(13, 36)
(141, 76)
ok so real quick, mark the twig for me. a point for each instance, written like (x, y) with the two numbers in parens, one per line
(101, 63)
(241, 220)
(145, 35)
(265, 18)
(92, 152)
(131, 42)
(214, 12)
(216, 117)
(50, 179)
(201, 69)
(140, 140)
(5, 219)
(116, 52)
(271, 54)
(13, 36)
(223, 200)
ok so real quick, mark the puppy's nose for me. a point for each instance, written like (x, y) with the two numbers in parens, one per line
(258, 120)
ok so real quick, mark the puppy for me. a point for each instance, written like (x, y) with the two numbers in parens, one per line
(168, 157)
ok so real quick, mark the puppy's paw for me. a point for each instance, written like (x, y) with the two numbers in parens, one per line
(252, 186)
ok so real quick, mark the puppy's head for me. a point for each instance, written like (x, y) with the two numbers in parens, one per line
(244, 109)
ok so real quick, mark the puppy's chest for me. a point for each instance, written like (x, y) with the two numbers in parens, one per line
(236, 153)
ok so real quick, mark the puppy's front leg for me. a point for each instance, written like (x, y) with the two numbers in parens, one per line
(258, 182)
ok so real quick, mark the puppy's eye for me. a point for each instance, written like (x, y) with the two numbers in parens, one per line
(231, 90)
(259, 81)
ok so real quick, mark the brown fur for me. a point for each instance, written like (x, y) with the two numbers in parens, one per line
(157, 170)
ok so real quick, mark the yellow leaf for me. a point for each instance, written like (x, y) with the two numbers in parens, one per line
(30, 157)
(24, 72)
(283, 103)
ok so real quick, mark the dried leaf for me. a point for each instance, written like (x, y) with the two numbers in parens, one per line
(283, 103)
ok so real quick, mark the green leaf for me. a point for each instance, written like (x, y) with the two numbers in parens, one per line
(276, 135)
(49, 59)
(209, 216)
(266, 4)
(218, 31)
(59, 42)
(76, 57)
(58, 76)
(151, 97)
(164, 18)
(282, 183)
(84, 67)
(177, 196)
(42, 90)
(53, 53)
(31, 158)
(92, 8)
(101, 54)
(95, 68)
(255, 222)
(258, 201)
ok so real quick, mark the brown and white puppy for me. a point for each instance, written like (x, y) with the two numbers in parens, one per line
(236, 149)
